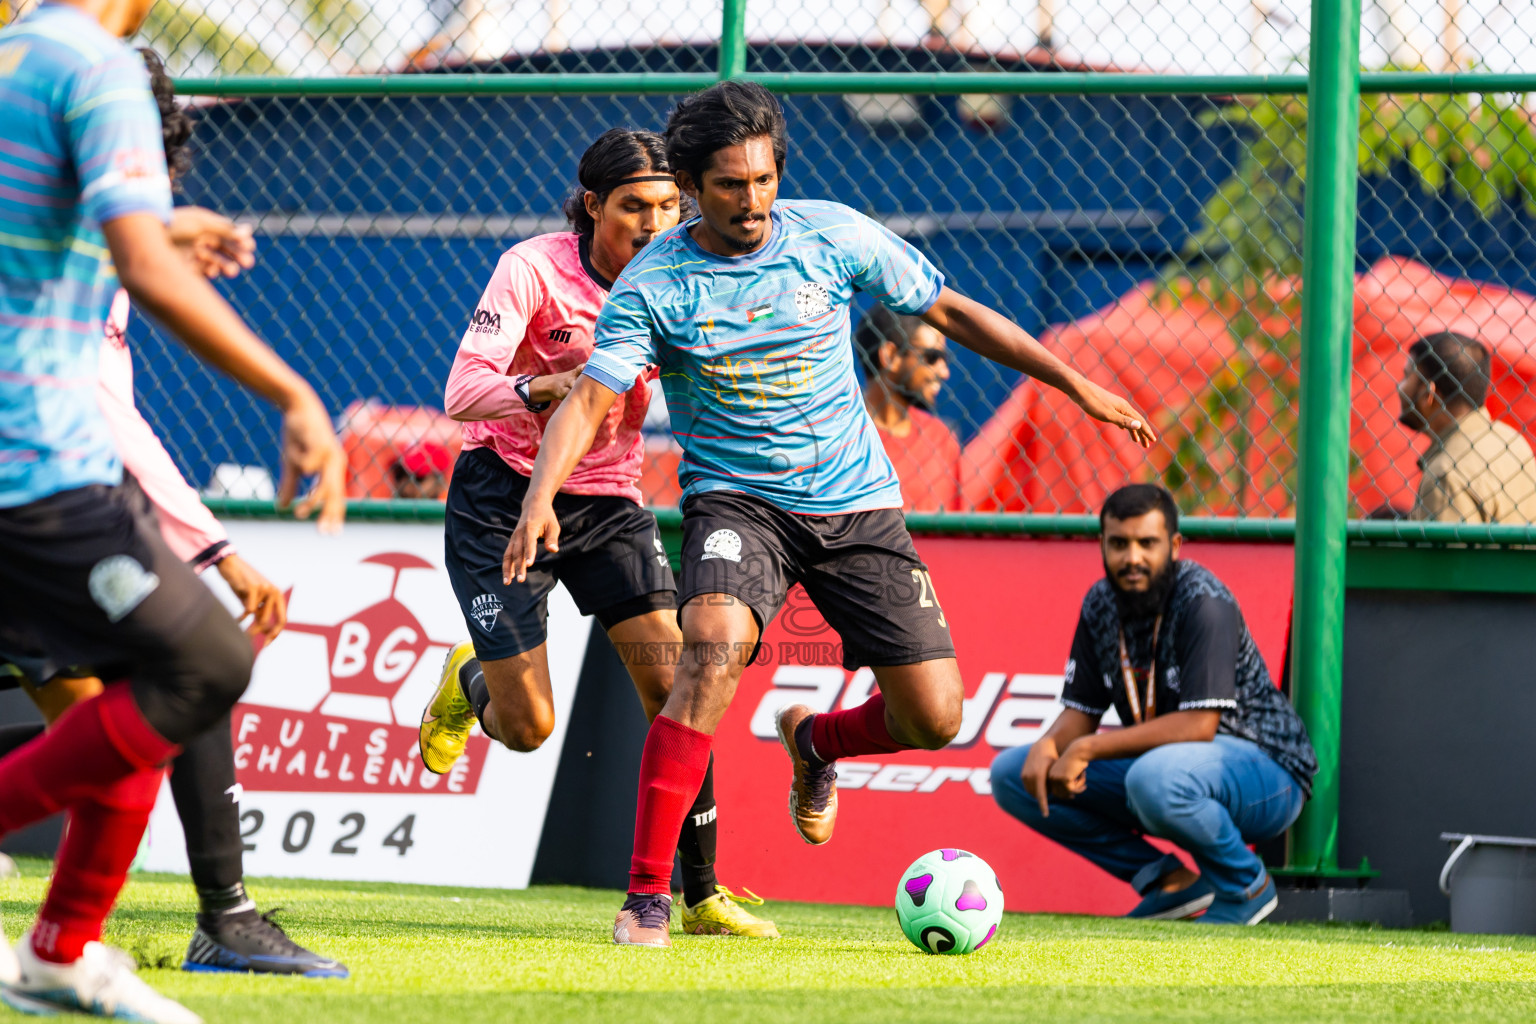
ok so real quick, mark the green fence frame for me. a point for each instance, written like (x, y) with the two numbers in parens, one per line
(1331, 552)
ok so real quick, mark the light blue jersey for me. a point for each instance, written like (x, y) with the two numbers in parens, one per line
(79, 145)
(755, 354)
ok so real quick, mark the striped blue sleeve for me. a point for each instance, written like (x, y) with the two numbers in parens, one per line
(113, 128)
(892, 271)
(623, 343)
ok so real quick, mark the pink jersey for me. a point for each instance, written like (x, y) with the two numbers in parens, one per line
(536, 316)
(189, 529)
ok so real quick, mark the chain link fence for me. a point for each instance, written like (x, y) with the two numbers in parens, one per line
(1154, 240)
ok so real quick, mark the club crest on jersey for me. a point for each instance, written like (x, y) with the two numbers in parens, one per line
(485, 608)
(760, 312)
(812, 300)
(560, 336)
(119, 584)
(722, 544)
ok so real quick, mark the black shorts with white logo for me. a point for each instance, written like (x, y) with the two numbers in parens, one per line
(611, 558)
(859, 569)
(86, 579)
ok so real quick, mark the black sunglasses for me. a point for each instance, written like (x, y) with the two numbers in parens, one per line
(932, 356)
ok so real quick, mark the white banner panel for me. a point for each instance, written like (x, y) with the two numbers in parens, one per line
(325, 738)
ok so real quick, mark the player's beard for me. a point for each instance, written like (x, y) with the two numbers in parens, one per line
(745, 244)
(1143, 604)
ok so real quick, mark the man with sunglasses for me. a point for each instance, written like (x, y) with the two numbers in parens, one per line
(1211, 756)
(905, 366)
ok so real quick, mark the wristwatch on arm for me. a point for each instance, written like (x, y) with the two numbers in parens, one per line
(520, 385)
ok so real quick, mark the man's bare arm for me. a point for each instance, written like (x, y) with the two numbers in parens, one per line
(161, 283)
(567, 438)
(989, 333)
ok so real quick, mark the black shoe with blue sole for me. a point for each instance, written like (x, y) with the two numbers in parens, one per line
(248, 942)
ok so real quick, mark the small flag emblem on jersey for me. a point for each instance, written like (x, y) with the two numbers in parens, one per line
(757, 313)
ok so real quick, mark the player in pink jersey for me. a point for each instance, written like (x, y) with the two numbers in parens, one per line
(526, 343)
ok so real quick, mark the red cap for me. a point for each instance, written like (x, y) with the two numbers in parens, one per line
(424, 458)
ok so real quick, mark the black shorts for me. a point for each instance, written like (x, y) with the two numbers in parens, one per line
(85, 579)
(859, 569)
(611, 558)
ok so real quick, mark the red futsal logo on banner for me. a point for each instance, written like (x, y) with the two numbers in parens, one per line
(338, 729)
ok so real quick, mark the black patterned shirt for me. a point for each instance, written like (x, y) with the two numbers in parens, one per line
(1206, 658)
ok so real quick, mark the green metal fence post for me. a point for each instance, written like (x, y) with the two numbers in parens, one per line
(1322, 506)
(733, 39)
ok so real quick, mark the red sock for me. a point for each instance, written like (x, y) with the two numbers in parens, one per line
(671, 772)
(856, 731)
(99, 844)
(94, 744)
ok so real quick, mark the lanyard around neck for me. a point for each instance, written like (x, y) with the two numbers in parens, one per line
(1128, 676)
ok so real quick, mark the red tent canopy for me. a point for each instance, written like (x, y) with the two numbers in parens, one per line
(1039, 453)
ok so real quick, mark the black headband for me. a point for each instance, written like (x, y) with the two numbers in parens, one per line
(609, 186)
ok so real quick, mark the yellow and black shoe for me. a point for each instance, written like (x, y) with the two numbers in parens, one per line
(723, 914)
(449, 716)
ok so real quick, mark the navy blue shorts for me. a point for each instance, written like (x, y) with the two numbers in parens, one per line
(611, 558)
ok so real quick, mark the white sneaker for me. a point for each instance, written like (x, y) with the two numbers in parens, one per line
(101, 983)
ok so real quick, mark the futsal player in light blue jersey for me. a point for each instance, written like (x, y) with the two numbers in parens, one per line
(745, 310)
(85, 578)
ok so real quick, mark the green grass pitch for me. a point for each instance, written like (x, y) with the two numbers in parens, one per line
(423, 953)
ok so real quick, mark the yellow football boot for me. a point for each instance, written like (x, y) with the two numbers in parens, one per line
(449, 716)
(722, 914)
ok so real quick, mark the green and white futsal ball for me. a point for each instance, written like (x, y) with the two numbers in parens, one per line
(949, 901)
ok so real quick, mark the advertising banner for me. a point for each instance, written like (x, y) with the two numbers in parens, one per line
(1012, 606)
(330, 784)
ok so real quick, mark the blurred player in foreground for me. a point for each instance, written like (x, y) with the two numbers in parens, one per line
(231, 934)
(745, 309)
(525, 346)
(1211, 756)
(85, 576)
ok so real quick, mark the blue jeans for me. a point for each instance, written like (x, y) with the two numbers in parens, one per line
(1211, 799)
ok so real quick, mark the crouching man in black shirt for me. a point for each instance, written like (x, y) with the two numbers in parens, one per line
(1211, 757)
